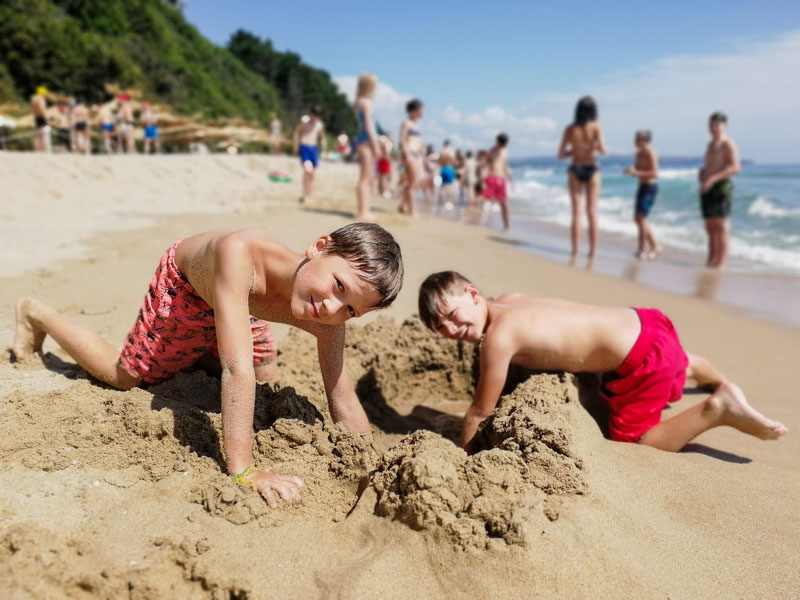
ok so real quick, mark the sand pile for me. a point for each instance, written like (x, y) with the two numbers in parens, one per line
(424, 480)
(492, 496)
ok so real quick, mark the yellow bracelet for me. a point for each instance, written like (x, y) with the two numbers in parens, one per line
(242, 477)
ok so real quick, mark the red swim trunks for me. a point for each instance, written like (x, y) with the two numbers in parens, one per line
(494, 188)
(384, 166)
(651, 375)
(175, 327)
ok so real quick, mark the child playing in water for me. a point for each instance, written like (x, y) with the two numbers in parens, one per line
(199, 306)
(645, 167)
(637, 351)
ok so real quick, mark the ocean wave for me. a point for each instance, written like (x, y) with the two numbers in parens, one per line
(677, 173)
(531, 173)
(762, 207)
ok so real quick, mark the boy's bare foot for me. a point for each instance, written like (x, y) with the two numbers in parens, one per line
(27, 337)
(367, 218)
(736, 412)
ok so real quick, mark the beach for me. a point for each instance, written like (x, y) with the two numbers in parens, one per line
(109, 494)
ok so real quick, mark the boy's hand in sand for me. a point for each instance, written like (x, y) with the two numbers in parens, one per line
(270, 484)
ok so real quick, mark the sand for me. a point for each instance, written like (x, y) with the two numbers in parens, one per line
(120, 494)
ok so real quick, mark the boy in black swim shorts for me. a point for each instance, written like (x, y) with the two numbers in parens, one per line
(716, 188)
(645, 168)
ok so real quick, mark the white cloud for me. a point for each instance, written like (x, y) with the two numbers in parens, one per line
(470, 131)
(757, 85)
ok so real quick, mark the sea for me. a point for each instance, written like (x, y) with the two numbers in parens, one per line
(763, 274)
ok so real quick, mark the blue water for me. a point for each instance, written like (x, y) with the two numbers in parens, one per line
(765, 221)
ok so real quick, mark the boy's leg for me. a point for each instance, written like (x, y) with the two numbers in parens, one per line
(726, 406)
(638, 218)
(93, 353)
(504, 213)
(703, 372)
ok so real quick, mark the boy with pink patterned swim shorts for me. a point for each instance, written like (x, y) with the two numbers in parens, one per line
(637, 351)
(212, 296)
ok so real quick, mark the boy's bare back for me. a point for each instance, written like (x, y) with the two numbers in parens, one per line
(552, 334)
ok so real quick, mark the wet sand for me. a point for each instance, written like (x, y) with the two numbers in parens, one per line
(108, 493)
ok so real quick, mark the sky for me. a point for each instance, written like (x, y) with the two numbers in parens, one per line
(520, 67)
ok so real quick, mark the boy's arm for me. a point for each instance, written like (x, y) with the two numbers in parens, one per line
(342, 400)
(235, 343)
(495, 358)
(238, 381)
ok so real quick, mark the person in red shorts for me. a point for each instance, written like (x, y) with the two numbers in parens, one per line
(495, 182)
(636, 350)
(384, 165)
(211, 296)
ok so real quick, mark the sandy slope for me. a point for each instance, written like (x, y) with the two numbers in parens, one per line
(112, 494)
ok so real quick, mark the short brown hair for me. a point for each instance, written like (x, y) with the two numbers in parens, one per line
(718, 116)
(644, 134)
(431, 291)
(373, 252)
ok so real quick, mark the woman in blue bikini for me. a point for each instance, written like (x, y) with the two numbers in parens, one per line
(580, 142)
(365, 143)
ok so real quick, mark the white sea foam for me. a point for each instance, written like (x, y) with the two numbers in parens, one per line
(762, 207)
(531, 173)
(677, 173)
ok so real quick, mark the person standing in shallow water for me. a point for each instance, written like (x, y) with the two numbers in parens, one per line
(645, 168)
(716, 188)
(580, 142)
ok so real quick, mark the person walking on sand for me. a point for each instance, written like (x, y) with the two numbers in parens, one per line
(41, 142)
(106, 118)
(127, 144)
(716, 188)
(80, 128)
(365, 143)
(309, 133)
(411, 155)
(580, 141)
(645, 167)
(150, 122)
(275, 134)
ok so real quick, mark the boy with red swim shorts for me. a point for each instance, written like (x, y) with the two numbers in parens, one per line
(637, 351)
(212, 296)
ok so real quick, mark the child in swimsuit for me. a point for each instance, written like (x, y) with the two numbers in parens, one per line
(309, 133)
(646, 169)
(212, 295)
(580, 142)
(637, 351)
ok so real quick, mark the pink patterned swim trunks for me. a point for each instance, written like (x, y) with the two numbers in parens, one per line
(494, 188)
(175, 327)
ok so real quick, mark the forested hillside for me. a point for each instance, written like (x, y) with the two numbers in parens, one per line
(76, 47)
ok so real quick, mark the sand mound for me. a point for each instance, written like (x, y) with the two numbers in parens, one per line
(475, 501)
